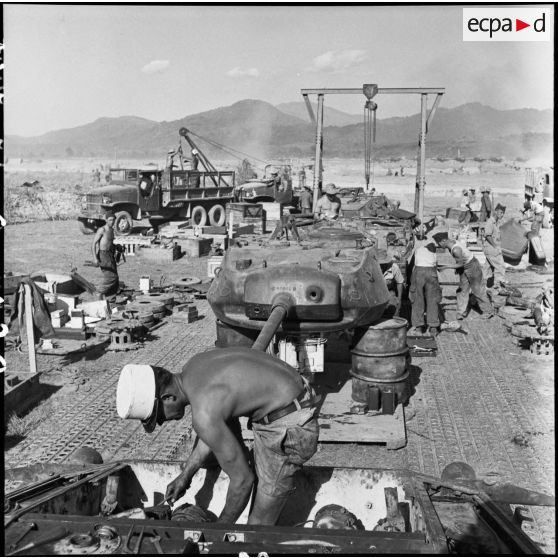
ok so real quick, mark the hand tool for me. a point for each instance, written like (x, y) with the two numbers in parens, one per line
(54, 536)
(155, 541)
(29, 527)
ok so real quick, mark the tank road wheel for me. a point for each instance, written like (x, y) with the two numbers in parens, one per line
(217, 216)
(123, 223)
(199, 216)
(86, 229)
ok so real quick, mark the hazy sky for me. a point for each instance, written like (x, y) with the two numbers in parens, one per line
(69, 65)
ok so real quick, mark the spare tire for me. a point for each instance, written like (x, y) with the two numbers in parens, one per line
(217, 215)
(198, 216)
(123, 223)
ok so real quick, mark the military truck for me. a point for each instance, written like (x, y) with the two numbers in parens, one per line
(276, 185)
(161, 195)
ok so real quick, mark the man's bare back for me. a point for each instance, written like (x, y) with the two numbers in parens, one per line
(214, 381)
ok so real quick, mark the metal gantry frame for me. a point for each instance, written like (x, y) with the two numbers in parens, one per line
(370, 90)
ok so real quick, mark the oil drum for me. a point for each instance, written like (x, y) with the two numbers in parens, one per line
(233, 336)
(380, 359)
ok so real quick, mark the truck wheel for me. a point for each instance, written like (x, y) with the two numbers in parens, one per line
(217, 216)
(123, 223)
(199, 216)
(85, 229)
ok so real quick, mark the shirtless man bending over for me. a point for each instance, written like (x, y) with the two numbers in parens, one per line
(221, 385)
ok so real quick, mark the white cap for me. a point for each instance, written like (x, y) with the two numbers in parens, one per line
(136, 391)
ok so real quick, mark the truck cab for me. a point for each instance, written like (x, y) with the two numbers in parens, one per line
(276, 185)
(130, 193)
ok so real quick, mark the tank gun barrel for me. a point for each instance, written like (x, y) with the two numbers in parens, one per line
(280, 308)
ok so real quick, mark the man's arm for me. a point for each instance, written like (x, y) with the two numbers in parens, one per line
(213, 430)
(197, 459)
(490, 241)
(95, 245)
(457, 253)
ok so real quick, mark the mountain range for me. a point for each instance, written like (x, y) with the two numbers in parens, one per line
(257, 129)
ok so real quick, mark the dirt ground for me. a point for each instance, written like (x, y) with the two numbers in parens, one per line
(507, 427)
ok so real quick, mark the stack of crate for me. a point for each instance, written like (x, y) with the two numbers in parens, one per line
(184, 313)
(247, 214)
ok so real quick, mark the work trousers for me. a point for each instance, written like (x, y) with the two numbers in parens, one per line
(425, 295)
(537, 223)
(495, 266)
(471, 281)
(109, 286)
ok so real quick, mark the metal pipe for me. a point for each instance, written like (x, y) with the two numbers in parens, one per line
(419, 192)
(319, 148)
(271, 326)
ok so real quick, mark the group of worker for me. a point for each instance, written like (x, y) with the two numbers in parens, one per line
(222, 385)
(476, 208)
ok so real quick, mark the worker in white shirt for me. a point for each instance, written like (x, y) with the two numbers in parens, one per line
(536, 215)
(425, 292)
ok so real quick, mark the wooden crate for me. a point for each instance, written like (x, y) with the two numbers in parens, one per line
(241, 210)
(158, 254)
(273, 210)
(195, 247)
(258, 223)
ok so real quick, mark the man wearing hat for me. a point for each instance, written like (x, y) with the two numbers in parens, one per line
(536, 216)
(486, 205)
(470, 278)
(220, 386)
(493, 248)
(329, 204)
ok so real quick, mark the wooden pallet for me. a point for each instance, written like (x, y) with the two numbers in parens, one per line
(337, 424)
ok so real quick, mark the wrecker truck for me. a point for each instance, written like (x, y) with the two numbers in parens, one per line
(173, 193)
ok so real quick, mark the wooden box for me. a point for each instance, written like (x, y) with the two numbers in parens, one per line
(158, 254)
(195, 247)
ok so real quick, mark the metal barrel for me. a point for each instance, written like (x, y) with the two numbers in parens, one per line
(380, 358)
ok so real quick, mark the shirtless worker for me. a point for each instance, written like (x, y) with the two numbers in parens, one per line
(104, 256)
(221, 385)
(329, 204)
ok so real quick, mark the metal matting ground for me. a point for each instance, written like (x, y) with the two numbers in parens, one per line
(473, 402)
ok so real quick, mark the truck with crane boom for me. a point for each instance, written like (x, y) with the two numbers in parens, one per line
(164, 195)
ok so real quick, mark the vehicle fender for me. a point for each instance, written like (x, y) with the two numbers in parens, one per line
(131, 208)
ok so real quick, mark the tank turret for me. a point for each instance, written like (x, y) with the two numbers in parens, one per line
(330, 283)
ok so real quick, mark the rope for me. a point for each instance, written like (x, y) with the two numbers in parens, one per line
(227, 149)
